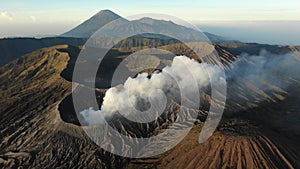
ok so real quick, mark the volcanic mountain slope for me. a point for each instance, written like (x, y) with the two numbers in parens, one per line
(32, 132)
(266, 136)
(263, 137)
(33, 135)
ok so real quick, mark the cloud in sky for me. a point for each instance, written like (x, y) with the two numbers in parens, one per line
(6, 16)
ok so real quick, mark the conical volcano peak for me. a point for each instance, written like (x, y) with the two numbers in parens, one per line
(106, 13)
(90, 26)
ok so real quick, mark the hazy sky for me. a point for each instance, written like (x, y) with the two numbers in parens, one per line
(37, 17)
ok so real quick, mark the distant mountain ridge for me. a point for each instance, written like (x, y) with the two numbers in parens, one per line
(79, 35)
(88, 27)
(122, 27)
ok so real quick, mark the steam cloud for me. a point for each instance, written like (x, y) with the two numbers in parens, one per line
(137, 92)
(260, 78)
(253, 79)
(267, 66)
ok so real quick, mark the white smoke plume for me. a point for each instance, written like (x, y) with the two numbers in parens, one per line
(266, 66)
(134, 95)
(252, 80)
(261, 78)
